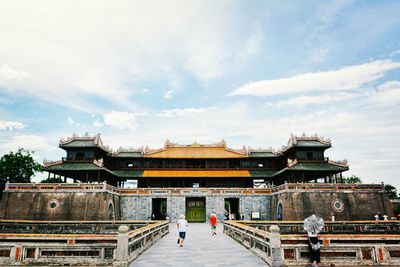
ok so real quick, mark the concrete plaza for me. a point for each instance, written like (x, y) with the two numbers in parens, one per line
(200, 249)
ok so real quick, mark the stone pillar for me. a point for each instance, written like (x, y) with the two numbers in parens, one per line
(122, 244)
(16, 252)
(275, 245)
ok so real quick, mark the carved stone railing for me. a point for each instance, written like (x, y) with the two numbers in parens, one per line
(67, 227)
(117, 248)
(103, 187)
(265, 245)
(90, 187)
(132, 244)
(343, 227)
(361, 243)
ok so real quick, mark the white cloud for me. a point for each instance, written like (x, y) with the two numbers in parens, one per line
(31, 142)
(346, 78)
(168, 94)
(120, 120)
(9, 74)
(387, 93)
(206, 64)
(63, 58)
(252, 44)
(98, 124)
(11, 125)
(72, 122)
(313, 100)
(181, 112)
(319, 55)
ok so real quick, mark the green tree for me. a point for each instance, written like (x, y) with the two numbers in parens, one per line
(52, 180)
(391, 191)
(353, 179)
(18, 167)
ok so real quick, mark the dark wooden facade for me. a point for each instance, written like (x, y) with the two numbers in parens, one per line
(197, 165)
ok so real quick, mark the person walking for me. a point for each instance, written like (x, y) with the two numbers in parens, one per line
(182, 225)
(314, 248)
(213, 223)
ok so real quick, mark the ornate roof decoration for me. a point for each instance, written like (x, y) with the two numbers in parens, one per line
(294, 140)
(86, 138)
(174, 150)
(263, 150)
(128, 150)
(303, 140)
(51, 163)
(341, 163)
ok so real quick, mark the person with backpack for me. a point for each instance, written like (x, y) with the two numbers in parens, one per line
(314, 248)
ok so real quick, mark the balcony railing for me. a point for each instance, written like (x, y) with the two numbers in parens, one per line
(189, 190)
(379, 245)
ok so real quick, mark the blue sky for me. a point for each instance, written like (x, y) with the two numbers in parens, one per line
(249, 72)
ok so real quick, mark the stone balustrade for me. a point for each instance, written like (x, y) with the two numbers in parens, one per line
(265, 245)
(103, 187)
(86, 246)
(378, 245)
(343, 227)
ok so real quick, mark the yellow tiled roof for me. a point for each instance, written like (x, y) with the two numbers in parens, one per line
(195, 173)
(196, 152)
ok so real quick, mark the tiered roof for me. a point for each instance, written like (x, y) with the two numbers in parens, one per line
(194, 150)
(84, 141)
(306, 141)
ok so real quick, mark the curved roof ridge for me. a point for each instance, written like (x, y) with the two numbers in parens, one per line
(128, 149)
(315, 137)
(95, 139)
(195, 144)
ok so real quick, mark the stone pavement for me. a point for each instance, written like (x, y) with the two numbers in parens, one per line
(200, 249)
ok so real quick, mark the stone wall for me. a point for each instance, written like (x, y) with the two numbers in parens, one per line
(345, 205)
(134, 207)
(85, 206)
(92, 202)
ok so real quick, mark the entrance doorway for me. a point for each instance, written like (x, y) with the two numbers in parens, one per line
(196, 209)
(159, 208)
(231, 209)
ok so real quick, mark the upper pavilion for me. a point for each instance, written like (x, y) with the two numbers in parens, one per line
(196, 165)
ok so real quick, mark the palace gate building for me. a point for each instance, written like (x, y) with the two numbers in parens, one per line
(197, 179)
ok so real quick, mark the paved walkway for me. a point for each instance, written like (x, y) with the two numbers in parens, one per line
(200, 249)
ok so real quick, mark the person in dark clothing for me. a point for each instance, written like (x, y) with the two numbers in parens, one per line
(314, 248)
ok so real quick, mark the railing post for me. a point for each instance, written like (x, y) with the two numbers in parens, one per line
(275, 245)
(122, 245)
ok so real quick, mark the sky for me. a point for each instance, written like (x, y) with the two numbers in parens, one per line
(248, 72)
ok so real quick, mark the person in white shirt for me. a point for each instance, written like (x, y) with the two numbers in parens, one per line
(182, 225)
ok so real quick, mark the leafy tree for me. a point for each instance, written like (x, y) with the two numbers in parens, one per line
(353, 179)
(396, 209)
(391, 191)
(52, 180)
(18, 167)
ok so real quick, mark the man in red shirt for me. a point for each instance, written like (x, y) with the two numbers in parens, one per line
(213, 223)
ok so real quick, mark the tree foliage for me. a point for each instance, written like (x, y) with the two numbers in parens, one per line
(396, 209)
(52, 180)
(18, 167)
(391, 191)
(353, 179)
